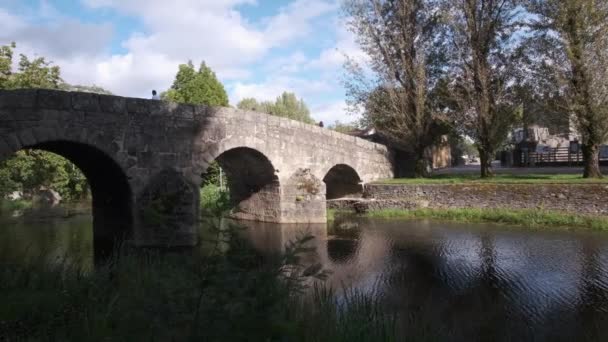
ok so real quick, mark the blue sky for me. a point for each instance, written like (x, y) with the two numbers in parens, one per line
(258, 48)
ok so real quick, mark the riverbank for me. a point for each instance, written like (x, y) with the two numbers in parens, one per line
(571, 198)
(518, 217)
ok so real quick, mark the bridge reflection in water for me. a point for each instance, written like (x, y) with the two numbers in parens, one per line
(475, 282)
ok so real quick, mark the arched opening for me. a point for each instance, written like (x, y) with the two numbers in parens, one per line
(253, 186)
(342, 181)
(110, 192)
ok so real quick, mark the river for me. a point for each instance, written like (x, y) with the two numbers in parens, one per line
(541, 284)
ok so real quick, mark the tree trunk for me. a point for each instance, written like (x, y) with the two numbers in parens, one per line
(486, 158)
(422, 167)
(591, 160)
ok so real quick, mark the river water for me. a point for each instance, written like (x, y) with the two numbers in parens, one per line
(471, 281)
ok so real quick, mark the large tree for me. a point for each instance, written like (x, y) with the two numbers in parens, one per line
(197, 87)
(572, 41)
(403, 41)
(482, 35)
(286, 105)
(28, 170)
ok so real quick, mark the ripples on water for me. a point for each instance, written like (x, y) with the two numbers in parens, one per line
(473, 282)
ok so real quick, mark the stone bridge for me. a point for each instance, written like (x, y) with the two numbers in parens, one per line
(144, 160)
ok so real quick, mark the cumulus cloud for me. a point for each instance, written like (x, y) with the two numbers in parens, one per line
(171, 32)
(332, 112)
(60, 38)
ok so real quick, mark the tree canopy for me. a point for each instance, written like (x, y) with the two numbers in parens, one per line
(403, 42)
(196, 87)
(570, 44)
(35, 73)
(286, 105)
(29, 170)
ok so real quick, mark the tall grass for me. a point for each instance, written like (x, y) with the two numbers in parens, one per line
(152, 295)
(522, 217)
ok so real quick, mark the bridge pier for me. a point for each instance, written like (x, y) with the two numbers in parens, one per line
(167, 211)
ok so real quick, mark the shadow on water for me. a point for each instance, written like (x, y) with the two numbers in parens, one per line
(474, 282)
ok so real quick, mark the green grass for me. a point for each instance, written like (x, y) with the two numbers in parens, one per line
(498, 179)
(11, 205)
(520, 217)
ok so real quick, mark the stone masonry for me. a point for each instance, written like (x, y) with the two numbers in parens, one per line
(144, 159)
(573, 198)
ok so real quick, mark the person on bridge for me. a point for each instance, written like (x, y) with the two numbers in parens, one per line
(155, 95)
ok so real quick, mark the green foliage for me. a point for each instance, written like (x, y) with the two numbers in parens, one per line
(287, 105)
(29, 170)
(344, 127)
(215, 201)
(36, 73)
(196, 87)
(85, 89)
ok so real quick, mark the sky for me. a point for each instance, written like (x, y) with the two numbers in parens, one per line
(258, 48)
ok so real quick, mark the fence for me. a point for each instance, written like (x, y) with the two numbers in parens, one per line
(560, 156)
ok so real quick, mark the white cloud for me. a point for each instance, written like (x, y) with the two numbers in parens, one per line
(332, 112)
(174, 31)
(274, 86)
(334, 57)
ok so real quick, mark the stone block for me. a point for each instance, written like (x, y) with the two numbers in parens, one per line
(112, 104)
(43, 134)
(54, 99)
(138, 106)
(13, 141)
(5, 148)
(85, 101)
(22, 98)
(27, 138)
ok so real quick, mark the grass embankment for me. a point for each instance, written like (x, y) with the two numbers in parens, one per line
(519, 217)
(498, 179)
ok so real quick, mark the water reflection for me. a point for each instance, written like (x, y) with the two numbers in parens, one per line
(472, 282)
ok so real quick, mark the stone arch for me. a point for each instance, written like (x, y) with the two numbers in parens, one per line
(254, 187)
(342, 181)
(110, 188)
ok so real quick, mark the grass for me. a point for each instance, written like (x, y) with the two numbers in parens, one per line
(520, 217)
(225, 294)
(498, 179)
(7, 205)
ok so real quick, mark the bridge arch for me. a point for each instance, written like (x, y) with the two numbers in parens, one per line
(342, 180)
(109, 184)
(254, 187)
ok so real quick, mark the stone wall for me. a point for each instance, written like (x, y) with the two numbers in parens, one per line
(133, 151)
(575, 198)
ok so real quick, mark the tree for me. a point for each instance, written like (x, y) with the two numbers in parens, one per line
(481, 33)
(344, 127)
(36, 73)
(28, 170)
(572, 41)
(196, 87)
(403, 40)
(287, 105)
(85, 89)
